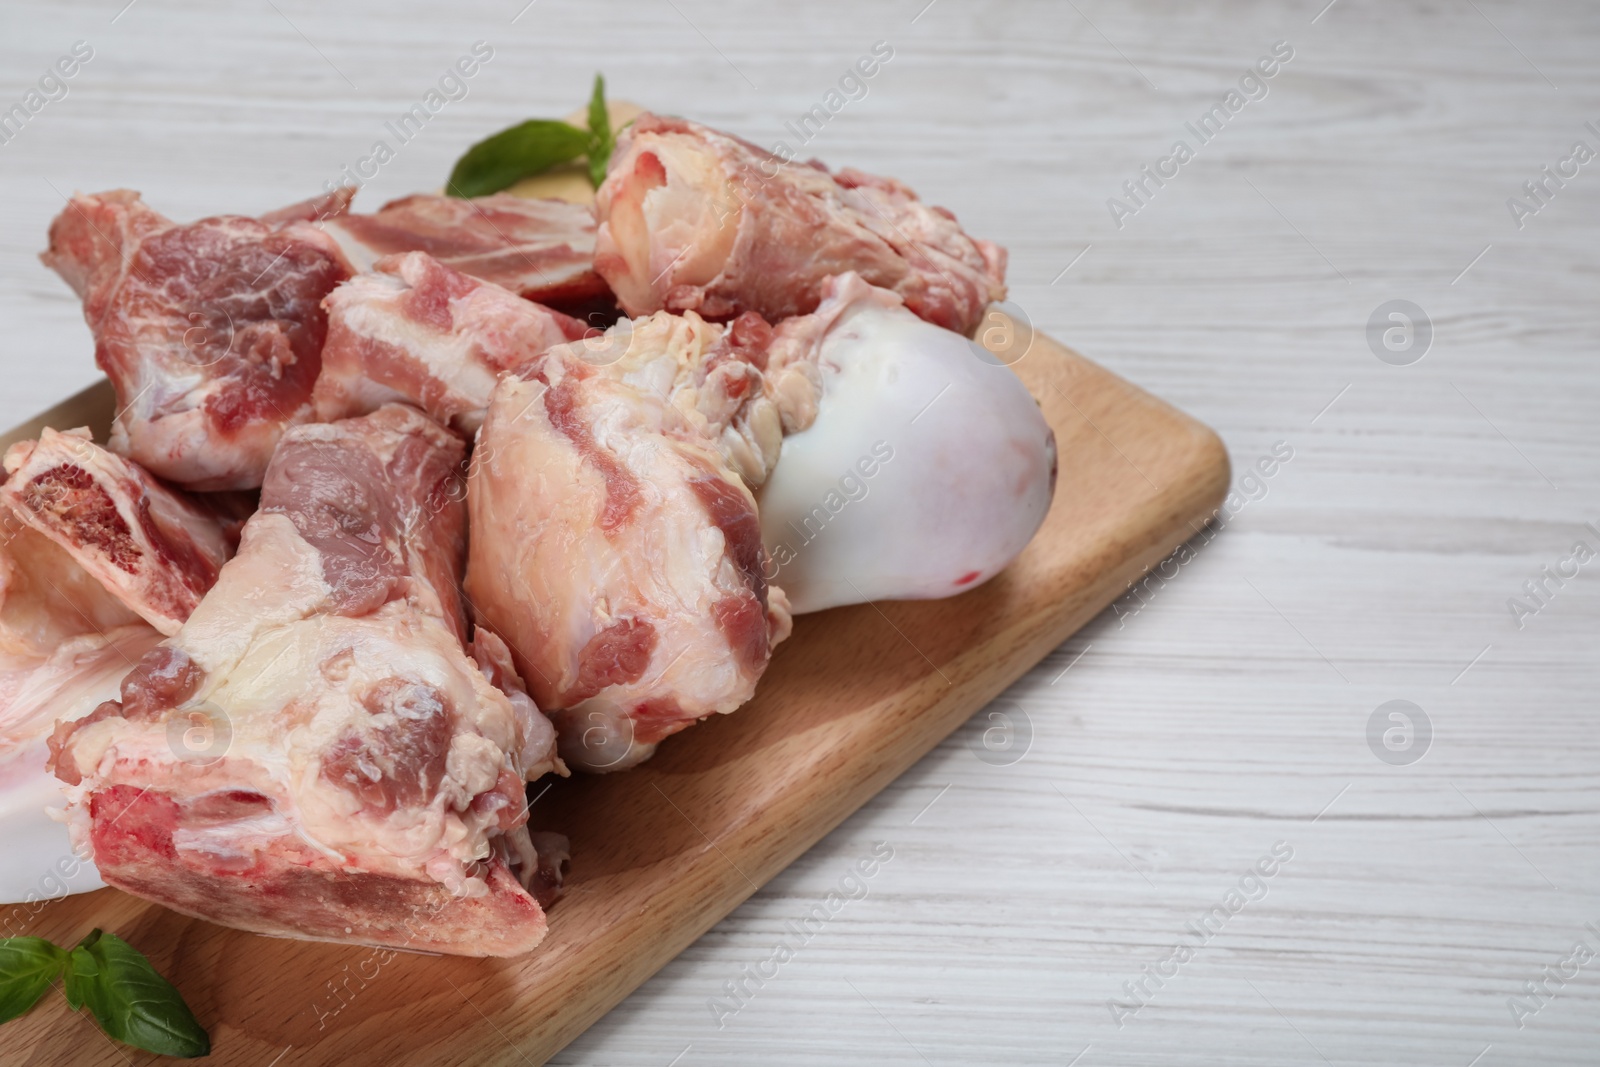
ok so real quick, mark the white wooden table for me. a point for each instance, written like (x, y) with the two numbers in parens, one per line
(1173, 743)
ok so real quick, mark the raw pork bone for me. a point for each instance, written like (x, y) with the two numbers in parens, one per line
(916, 465)
(539, 249)
(694, 219)
(65, 643)
(156, 550)
(211, 332)
(362, 781)
(619, 557)
(88, 544)
(420, 331)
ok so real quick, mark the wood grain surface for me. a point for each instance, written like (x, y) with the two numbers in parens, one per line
(1176, 737)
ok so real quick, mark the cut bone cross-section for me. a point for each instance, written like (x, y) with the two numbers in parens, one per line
(314, 754)
(157, 550)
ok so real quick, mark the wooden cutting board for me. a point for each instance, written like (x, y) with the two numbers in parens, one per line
(661, 853)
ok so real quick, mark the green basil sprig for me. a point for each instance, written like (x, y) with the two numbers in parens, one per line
(129, 1000)
(533, 147)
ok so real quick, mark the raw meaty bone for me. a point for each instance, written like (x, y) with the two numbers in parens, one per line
(211, 332)
(157, 550)
(917, 465)
(89, 543)
(65, 643)
(539, 249)
(694, 219)
(420, 331)
(314, 755)
(620, 558)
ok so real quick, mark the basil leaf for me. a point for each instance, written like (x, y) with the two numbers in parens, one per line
(533, 147)
(27, 967)
(503, 159)
(82, 969)
(130, 1001)
(602, 141)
